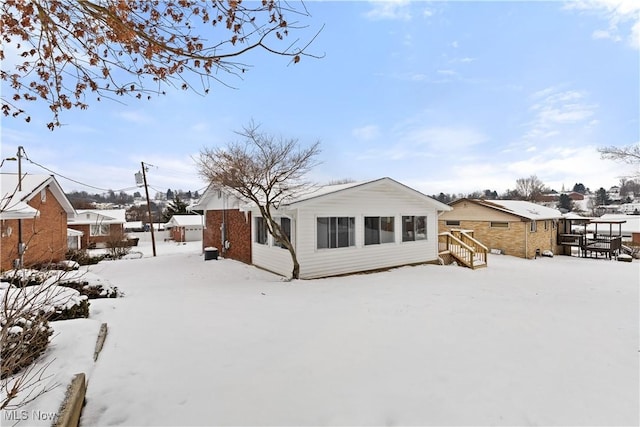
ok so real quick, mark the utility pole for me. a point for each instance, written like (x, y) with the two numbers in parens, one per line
(21, 246)
(146, 190)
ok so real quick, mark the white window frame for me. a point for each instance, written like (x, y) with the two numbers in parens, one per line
(533, 226)
(414, 236)
(335, 224)
(380, 230)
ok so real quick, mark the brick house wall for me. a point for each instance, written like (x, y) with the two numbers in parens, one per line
(238, 228)
(516, 240)
(45, 236)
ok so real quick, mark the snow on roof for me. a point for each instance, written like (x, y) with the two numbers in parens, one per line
(523, 209)
(107, 216)
(16, 210)
(185, 220)
(72, 232)
(631, 224)
(30, 186)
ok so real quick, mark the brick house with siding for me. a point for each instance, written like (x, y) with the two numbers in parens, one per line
(226, 227)
(515, 227)
(44, 223)
(98, 225)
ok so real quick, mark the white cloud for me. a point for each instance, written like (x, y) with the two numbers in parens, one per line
(623, 16)
(366, 133)
(454, 44)
(393, 10)
(134, 116)
(555, 109)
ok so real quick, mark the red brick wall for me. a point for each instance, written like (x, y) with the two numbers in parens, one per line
(238, 233)
(45, 236)
(177, 234)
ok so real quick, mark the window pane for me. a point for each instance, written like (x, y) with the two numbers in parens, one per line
(408, 234)
(285, 224)
(387, 234)
(261, 231)
(322, 225)
(343, 232)
(352, 231)
(421, 227)
(371, 230)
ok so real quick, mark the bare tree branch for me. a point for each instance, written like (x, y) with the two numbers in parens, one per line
(265, 170)
(68, 49)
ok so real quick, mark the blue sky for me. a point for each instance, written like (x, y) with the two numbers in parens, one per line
(442, 96)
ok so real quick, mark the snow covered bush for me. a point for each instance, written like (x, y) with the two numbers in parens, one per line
(82, 281)
(83, 257)
(24, 336)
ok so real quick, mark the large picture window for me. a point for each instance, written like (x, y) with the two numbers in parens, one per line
(261, 231)
(414, 228)
(378, 229)
(336, 232)
(99, 230)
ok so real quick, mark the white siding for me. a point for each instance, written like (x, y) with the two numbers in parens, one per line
(379, 200)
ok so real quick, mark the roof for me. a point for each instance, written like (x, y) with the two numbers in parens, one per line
(102, 216)
(184, 221)
(520, 208)
(72, 232)
(627, 223)
(329, 190)
(12, 201)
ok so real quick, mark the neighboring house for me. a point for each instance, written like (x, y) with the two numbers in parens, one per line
(226, 228)
(131, 226)
(39, 212)
(98, 225)
(185, 228)
(349, 228)
(515, 227)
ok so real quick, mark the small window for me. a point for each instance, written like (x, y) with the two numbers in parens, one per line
(285, 224)
(452, 223)
(499, 224)
(534, 226)
(43, 195)
(546, 225)
(414, 228)
(261, 231)
(335, 232)
(378, 229)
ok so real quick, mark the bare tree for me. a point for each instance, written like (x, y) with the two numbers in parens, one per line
(59, 51)
(530, 188)
(262, 169)
(629, 154)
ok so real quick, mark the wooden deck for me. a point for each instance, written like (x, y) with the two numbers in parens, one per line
(608, 246)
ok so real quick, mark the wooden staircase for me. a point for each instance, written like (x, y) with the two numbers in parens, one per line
(463, 247)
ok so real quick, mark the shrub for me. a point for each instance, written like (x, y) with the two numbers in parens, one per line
(24, 339)
(118, 244)
(83, 257)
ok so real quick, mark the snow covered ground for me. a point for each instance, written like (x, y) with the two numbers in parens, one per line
(552, 341)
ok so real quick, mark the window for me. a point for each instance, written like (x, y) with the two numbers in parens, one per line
(499, 224)
(452, 223)
(336, 232)
(260, 235)
(43, 195)
(414, 228)
(378, 229)
(285, 224)
(546, 225)
(534, 226)
(99, 230)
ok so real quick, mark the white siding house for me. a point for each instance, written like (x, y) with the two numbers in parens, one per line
(350, 228)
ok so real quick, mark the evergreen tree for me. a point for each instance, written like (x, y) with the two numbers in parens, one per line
(579, 188)
(175, 207)
(602, 198)
(565, 203)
